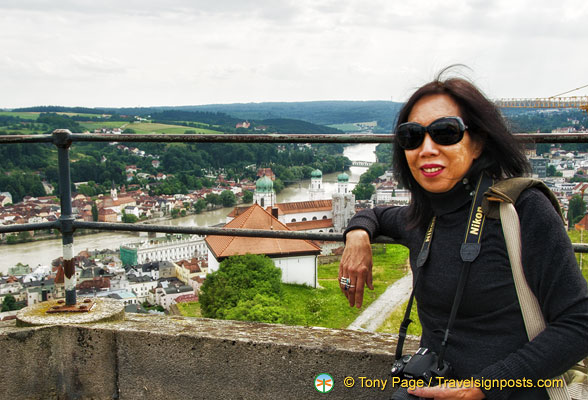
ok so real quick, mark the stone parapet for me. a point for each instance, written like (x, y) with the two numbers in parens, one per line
(155, 357)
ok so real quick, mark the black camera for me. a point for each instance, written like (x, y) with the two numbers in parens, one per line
(421, 367)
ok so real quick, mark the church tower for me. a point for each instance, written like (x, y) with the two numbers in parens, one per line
(264, 194)
(343, 203)
(113, 193)
(316, 189)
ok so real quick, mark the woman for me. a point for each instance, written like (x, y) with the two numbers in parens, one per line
(447, 135)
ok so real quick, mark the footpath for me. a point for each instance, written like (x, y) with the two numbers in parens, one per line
(377, 312)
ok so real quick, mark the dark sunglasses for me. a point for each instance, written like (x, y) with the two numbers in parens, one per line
(444, 131)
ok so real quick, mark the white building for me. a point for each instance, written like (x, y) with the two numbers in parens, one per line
(264, 193)
(174, 249)
(296, 258)
(166, 296)
(140, 286)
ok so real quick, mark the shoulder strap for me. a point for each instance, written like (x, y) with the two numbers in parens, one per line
(509, 190)
(534, 322)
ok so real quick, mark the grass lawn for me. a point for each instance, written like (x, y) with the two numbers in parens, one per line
(579, 237)
(327, 307)
(392, 324)
(91, 125)
(191, 309)
(22, 115)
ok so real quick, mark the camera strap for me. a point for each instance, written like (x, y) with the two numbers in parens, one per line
(469, 251)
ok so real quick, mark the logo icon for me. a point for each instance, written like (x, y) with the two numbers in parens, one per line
(323, 383)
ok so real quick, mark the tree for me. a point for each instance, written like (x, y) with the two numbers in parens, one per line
(213, 198)
(261, 308)
(11, 239)
(247, 196)
(94, 211)
(576, 210)
(228, 198)
(24, 236)
(199, 206)
(129, 218)
(363, 191)
(9, 303)
(236, 283)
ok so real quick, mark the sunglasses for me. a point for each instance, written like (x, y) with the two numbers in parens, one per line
(444, 131)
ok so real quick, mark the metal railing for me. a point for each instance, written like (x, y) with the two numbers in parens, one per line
(67, 224)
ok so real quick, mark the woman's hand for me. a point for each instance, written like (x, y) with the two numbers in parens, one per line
(356, 265)
(445, 393)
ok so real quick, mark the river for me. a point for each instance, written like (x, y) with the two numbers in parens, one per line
(43, 252)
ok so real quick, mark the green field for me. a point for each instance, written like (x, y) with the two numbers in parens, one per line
(191, 309)
(345, 127)
(146, 128)
(105, 124)
(23, 115)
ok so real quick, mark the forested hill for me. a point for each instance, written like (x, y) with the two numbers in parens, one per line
(284, 125)
(317, 112)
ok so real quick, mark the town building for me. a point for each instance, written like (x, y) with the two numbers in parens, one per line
(296, 258)
(164, 249)
(316, 188)
(264, 194)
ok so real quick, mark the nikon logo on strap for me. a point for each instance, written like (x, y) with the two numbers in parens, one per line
(476, 222)
(429, 234)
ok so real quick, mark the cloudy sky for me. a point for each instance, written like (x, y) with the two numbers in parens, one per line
(181, 52)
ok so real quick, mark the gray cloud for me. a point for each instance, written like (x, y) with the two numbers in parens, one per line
(187, 52)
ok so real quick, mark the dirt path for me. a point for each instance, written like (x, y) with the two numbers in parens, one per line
(375, 315)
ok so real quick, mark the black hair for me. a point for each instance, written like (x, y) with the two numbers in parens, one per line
(502, 156)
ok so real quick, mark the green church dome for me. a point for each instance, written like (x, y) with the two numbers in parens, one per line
(317, 173)
(264, 184)
(343, 177)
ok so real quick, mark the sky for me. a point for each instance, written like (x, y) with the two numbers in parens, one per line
(128, 53)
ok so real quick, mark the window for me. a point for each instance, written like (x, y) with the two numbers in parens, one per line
(304, 219)
(314, 218)
(293, 219)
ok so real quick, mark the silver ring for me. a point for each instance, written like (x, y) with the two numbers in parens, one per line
(346, 282)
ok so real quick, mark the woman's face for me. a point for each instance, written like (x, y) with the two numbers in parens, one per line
(435, 167)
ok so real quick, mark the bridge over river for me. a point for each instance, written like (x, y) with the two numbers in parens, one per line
(362, 163)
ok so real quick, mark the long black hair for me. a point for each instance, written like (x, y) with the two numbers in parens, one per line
(502, 156)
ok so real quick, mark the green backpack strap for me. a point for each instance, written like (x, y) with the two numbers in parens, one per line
(508, 190)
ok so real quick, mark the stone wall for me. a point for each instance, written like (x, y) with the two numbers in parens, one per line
(154, 357)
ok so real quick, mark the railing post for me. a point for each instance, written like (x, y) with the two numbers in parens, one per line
(62, 139)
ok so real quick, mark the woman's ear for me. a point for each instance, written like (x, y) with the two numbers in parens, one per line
(477, 147)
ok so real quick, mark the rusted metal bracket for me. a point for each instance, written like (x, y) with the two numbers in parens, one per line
(61, 307)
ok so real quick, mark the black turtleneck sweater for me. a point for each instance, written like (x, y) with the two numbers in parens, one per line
(488, 338)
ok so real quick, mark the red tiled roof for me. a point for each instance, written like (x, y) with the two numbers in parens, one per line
(256, 217)
(304, 206)
(185, 298)
(308, 225)
(237, 211)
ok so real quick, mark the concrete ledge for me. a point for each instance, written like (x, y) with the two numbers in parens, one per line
(153, 357)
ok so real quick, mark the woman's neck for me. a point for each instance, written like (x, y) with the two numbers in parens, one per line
(455, 198)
